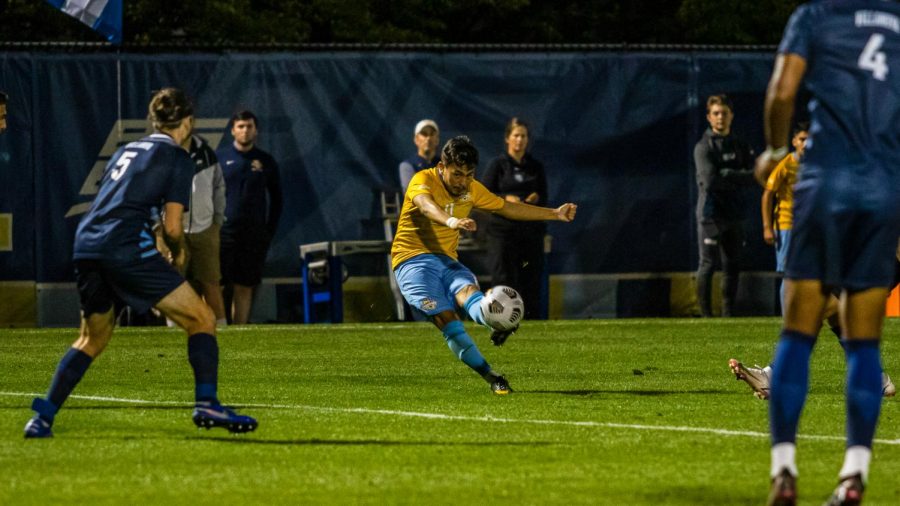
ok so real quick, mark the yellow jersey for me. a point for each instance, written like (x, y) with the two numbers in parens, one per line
(781, 181)
(417, 234)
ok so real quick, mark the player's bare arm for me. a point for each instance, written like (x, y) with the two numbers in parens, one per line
(433, 212)
(527, 212)
(768, 198)
(779, 109)
(173, 233)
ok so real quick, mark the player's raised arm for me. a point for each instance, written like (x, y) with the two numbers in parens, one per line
(433, 212)
(526, 212)
(779, 109)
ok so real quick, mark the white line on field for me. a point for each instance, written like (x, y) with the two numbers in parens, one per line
(487, 418)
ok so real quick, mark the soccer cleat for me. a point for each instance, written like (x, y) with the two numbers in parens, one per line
(756, 377)
(783, 491)
(849, 492)
(500, 386)
(887, 386)
(36, 428)
(498, 337)
(211, 415)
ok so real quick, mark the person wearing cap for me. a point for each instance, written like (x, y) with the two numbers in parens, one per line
(426, 137)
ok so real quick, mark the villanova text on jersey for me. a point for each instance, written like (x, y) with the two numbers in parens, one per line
(140, 178)
(852, 50)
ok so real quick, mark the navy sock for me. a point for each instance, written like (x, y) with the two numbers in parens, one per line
(473, 308)
(203, 354)
(464, 348)
(789, 384)
(69, 372)
(863, 390)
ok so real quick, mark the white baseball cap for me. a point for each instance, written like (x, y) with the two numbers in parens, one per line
(426, 123)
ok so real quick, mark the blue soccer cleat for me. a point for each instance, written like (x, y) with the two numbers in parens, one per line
(37, 427)
(211, 415)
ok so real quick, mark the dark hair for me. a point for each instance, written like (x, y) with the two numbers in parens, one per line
(460, 151)
(802, 126)
(4, 98)
(168, 107)
(244, 115)
(513, 123)
(720, 99)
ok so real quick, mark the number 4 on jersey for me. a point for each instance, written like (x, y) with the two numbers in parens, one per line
(872, 59)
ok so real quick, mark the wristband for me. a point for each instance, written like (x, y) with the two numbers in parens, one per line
(453, 222)
(776, 155)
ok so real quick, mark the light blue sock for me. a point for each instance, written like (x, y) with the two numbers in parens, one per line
(473, 308)
(789, 384)
(863, 390)
(464, 348)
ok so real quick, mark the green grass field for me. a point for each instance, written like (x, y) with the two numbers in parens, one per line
(624, 412)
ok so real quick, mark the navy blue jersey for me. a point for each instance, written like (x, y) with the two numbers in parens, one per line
(852, 52)
(139, 177)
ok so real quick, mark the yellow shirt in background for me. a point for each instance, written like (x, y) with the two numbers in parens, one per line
(416, 234)
(781, 181)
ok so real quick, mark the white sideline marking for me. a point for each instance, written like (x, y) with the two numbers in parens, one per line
(488, 418)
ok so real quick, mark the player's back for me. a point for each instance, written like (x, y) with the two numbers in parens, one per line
(140, 176)
(852, 50)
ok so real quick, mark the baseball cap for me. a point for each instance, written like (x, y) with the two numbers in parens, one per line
(426, 123)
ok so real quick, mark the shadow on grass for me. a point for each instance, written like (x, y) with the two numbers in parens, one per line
(241, 439)
(648, 393)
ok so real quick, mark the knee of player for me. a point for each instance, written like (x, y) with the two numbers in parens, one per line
(203, 320)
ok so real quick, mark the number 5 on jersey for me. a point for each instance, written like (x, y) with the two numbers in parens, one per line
(122, 164)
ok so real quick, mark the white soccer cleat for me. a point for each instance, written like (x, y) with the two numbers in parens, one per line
(887, 386)
(757, 377)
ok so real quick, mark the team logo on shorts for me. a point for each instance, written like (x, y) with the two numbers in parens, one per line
(428, 304)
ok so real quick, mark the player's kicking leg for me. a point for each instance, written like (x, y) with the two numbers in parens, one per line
(188, 311)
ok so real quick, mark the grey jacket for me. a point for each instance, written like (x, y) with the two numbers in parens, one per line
(207, 204)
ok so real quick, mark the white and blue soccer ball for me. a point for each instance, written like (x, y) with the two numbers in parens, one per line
(502, 307)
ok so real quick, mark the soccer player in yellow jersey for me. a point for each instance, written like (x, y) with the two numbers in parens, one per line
(778, 198)
(424, 258)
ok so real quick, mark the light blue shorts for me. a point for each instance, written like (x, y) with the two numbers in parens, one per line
(430, 282)
(781, 249)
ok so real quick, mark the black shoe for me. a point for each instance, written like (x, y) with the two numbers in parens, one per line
(500, 386)
(498, 337)
(783, 491)
(849, 492)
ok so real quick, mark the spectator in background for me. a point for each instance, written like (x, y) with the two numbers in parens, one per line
(252, 208)
(4, 98)
(516, 248)
(203, 224)
(426, 137)
(724, 167)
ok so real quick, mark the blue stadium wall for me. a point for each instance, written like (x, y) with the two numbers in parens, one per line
(615, 131)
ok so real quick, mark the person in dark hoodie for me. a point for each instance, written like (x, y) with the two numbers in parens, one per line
(724, 166)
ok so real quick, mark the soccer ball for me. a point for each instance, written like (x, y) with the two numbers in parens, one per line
(502, 307)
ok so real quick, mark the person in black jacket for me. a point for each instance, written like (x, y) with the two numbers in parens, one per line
(253, 203)
(724, 166)
(516, 248)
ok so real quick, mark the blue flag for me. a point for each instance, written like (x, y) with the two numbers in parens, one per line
(104, 16)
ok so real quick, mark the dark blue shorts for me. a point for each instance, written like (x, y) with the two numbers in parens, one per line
(103, 285)
(845, 243)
